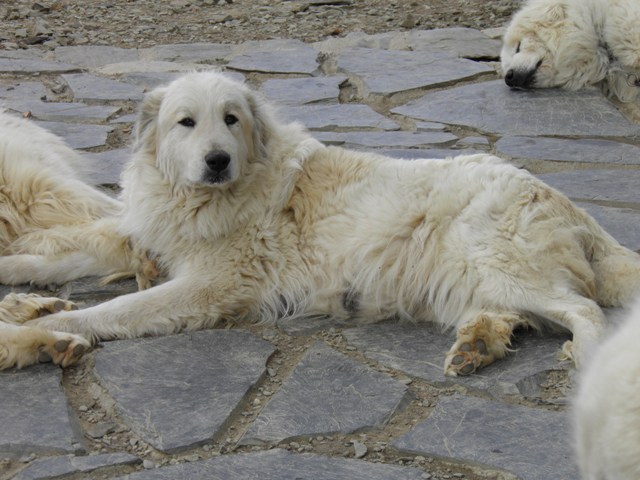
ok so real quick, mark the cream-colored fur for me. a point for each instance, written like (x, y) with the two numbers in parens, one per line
(607, 408)
(290, 227)
(54, 227)
(575, 43)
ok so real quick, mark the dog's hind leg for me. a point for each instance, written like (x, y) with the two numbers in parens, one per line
(60, 254)
(482, 340)
(580, 315)
(22, 345)
(43, 270)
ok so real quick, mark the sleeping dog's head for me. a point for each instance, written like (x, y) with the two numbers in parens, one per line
(202, 129)
(544, 48)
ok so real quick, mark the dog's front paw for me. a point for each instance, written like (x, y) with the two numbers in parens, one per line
(21, 346)
(19, 308)
(63, 349)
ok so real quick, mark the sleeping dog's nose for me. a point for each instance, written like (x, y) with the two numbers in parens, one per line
(217, 160)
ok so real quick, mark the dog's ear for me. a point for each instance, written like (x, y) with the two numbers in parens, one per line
(147, 121)
(263, 123)
(554, 14)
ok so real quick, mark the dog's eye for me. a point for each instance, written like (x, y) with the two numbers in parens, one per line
(230, 119)
(187, 122)
(518, 48)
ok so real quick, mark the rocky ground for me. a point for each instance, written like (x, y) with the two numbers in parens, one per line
(144, 23)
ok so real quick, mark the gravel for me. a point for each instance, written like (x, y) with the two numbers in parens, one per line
(145, 23)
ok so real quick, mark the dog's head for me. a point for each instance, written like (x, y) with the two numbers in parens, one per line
(543, 48)
(203, 129)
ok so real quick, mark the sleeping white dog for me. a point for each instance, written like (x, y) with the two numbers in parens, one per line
(575, 43)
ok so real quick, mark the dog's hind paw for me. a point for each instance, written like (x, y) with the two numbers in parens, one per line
(466, 358)
(479, 343)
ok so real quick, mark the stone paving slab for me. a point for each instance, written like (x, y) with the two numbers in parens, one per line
(353, 116)
(79, 135)
(385, 139)
(622, 223)
(149, 80)
(63, 112)
(379, 69)
(457, 41)
(144, 66)
(279, 464)
(54, 467)
(107, 166)
(327, 393)
(35, 414)
(93, 56)
(190, 53)
(22, 92)
(597, 184)
(586, 150)
(419, 350)
(292, 58)
(426, 153)
(16, 65)
(483, 431)
(87, 87)
(298, 91)
(493, 107)
(177, 391)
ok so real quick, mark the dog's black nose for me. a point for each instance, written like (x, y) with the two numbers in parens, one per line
(520, 78)
(217, 160)
(509, 77)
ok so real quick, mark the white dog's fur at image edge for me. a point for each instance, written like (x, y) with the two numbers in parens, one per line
(292, 227)
(57, 224)
(575, 43)
(607, 407)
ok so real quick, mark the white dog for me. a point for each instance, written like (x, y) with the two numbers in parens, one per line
(252, 218)
(607, 408)
(60, 229)
(574, 43)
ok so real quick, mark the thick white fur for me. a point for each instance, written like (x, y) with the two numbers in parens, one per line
(54, 227)
(296, 228)
(574, 43)
(607, 408)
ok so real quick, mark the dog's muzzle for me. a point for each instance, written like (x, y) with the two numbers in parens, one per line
(521, 78)
(217, 171)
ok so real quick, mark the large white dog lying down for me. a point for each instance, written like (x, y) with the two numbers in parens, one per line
(574, 43)
(253, 219)
(607, 408)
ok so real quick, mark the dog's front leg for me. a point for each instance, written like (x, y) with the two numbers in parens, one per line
(167, 308)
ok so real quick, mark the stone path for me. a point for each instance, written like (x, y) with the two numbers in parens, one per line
(319, 399)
